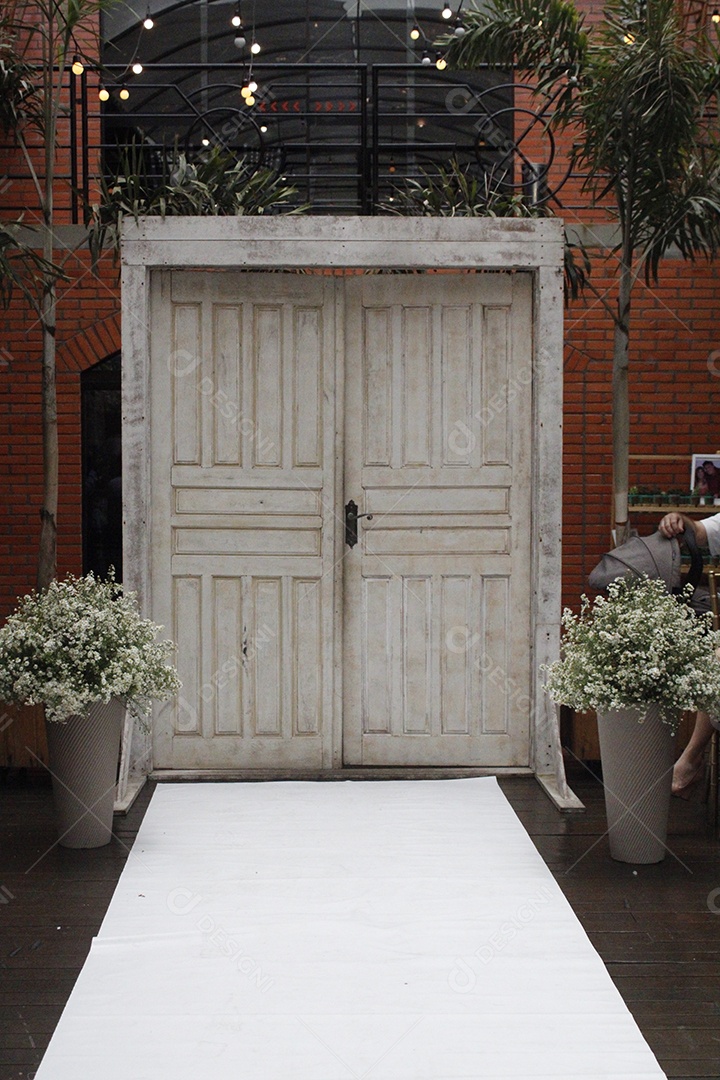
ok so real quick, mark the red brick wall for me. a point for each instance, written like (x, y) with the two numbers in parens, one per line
(673, 401)
(674, 329)
(88, 331)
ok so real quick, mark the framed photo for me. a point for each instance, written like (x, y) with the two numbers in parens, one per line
(705, 475)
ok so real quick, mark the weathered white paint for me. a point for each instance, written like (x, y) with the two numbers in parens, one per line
(489, 243)
(242, 471)
(374, 243)
(437, 592)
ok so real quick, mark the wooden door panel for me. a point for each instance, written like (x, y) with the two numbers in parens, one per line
(243, 464)
(437, 589)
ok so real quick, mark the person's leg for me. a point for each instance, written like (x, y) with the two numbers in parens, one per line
(689, 764)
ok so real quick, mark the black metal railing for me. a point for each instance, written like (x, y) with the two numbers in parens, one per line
(345, 135)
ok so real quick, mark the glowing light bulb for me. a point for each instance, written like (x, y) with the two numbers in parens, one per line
(446, 12)
(715, 17)
(255, 48)
(252, 86)
(124, 93)
(148, 22)
(103, 94)
(415, 32)
(249, 100)
(441, 63)
(245, 92)
(137, 68)
(206, 142)
(263, 128)
(236, 20)
(77, 68)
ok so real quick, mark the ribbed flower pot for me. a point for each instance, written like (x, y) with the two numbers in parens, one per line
(84, 755)
(637, 750)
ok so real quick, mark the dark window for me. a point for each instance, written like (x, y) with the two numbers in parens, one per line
(102, 468)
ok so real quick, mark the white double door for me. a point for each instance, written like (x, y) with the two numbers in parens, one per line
(276, 399)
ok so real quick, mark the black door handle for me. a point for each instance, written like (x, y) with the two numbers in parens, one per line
(351, 519)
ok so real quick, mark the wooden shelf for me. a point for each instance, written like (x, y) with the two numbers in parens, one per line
(667, 508)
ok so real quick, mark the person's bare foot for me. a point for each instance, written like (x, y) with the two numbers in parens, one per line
(685, 776)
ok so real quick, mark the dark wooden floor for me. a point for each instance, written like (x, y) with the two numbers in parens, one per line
(657, 928)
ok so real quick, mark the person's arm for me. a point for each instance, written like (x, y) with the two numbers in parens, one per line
(673, 524)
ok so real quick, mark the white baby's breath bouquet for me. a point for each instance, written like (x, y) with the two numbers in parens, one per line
(79, 641)
(637, 646)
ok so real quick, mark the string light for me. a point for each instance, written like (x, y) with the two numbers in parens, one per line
(104, 94)
(124, 93)
(425, 58)
(629, 39)
(440, 62)
(255, 48)
(250, 100)
(137, 68)
(459, 30)
(240, 40)
(148, 21)
(715, 17)
(263, 128)
(446, 12)
(252, 86)
(415, 32)
(77, 67)
(205, 142)
(245, 92)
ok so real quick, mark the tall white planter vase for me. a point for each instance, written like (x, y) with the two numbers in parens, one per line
(84, 755)
(637, 751)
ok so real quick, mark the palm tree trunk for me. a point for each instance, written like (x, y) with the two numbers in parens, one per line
(621, 404)
(47, 554)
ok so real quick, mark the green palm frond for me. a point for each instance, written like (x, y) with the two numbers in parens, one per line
(22, 267)
(216, 184)
(458, 191)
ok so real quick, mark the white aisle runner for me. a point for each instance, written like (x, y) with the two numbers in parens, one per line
(341, 931)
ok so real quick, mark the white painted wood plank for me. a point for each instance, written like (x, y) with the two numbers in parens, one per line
(327, 242)
(307, 410)
(225, 389)
(187, 373)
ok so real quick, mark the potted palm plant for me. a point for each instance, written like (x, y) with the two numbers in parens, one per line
(82, 650)
(638, 658)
